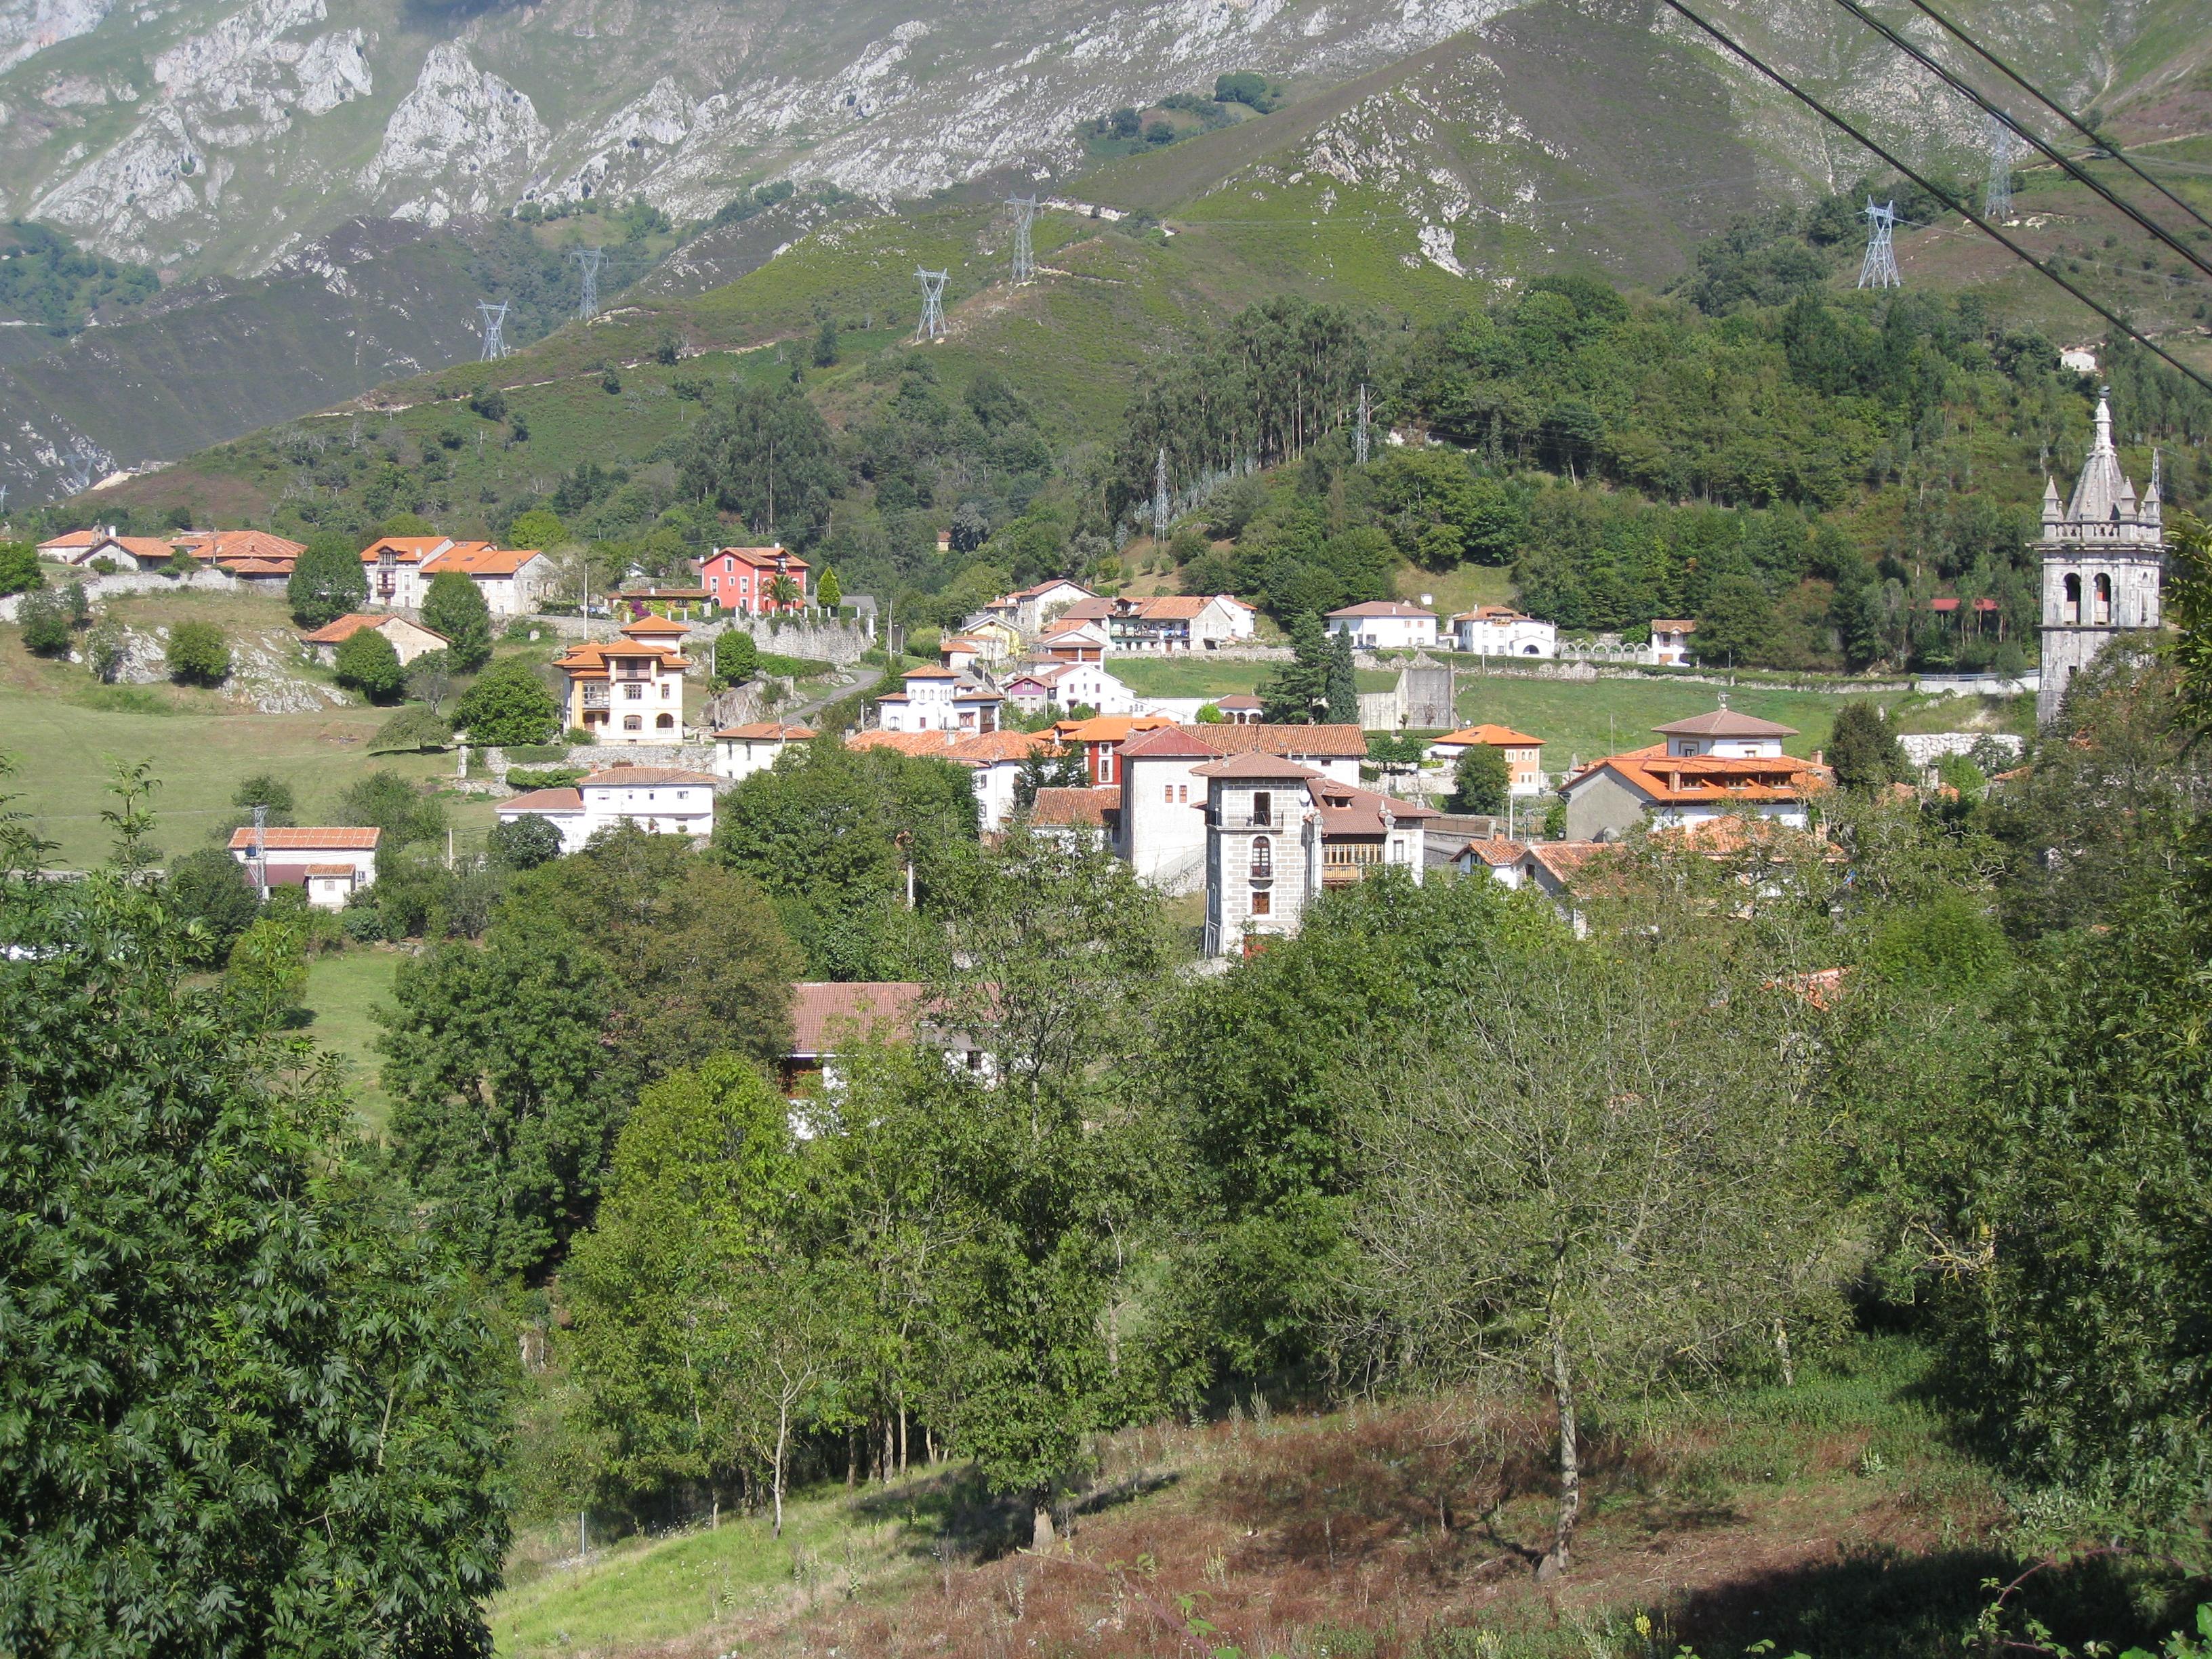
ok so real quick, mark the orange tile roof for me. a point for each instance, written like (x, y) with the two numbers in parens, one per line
(1498, 737)
(823, 1014)
(408, 549)
(1674, 626)
(1325, 742)
(643, 777)
(545, 800)
(141, 547)
(766, 558)
(1071, 809)
(1693, 779)
(1725, 723)
(482, 559)
(335, 633)
(1255, 766)
(926, 743)
(1385, 608)
(588, 660)
(224, 546)
(75, 538)
(257, 567)
(330, 869)
(1171, 608)
(985, 747)
(648, 625)
(1169, 742)
(1562, 858)
(297, 841)
(1498, 850)
(768, 731)
(1111, 728)
(1345, 810)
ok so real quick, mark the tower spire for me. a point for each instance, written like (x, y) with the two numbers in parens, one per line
(2102, 444)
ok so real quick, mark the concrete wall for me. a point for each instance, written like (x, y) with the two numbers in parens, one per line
(1604, 804)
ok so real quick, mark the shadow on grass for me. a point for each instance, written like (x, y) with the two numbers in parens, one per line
(1882, 1603)
(952, 1513)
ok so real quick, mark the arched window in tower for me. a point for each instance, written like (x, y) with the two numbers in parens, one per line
(1263, 859)
(2104, 600)
(2070, 611)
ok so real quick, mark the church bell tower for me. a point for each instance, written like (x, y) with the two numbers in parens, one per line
(2104, 555)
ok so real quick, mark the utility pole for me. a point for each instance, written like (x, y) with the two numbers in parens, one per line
(932, 326)
(587, 262)
(1879, 268)
(257, 857)
(494, 326)
(1025, 210)
(1359, 432)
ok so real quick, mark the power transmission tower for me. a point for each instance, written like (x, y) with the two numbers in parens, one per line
(80, 463)
(495, 324)
(932, 326)
(1359, 432)
(257, 857)
(1997, 195)
(1024, 210)
(588, 260)
(1879, 268)
(4, 498)
(1162, 509)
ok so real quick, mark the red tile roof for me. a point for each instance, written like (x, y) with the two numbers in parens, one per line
(1385, 608)
(1725, 723)
(1240, 700)
(544, 801)
(1057, 808)
(1498, 737)
(1257, 766)
(1496, 851)
(482, 559)
(644, 777)
(773, 558)
(1323, 742)
(1349, 811)
(926, 743)
(824, 1016)
(769, 731)
(325, 839)
(1710, 779)
(1169, 742)
(229, 546)
(985, 747)
(645, 626)
(351, 624)
(409, 550)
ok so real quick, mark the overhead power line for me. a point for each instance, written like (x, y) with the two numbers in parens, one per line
(2056, 107)
(2074, 171)
(1943, 196)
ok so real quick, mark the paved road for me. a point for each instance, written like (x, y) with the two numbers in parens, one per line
(866, 677)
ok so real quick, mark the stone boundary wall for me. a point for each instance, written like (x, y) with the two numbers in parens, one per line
(130, 581)
(839, 644)
(1585, 670)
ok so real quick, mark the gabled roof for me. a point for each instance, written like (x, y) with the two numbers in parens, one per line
(768, 731)
(1321, 742)
(482, 559)
(649, 627)
(824, 1014)
(1498, 737)
(71, 540)
(409, 550)
(1496, 852)
(1500, 614)
(227, 546)
(588, 658)
(1672, 625)
(352, 623)
(1238, 701)
(1168, 743)
(1691, 780)
(1171, 607)
(1108, 728)
(774, 557)
(643, 777)
(984, 748)
(1725, 723)
(1560, 859)
(1058, 808)
(1385, 608)
(927, 744)
(544, 801)
(327, 838)
(1255, 768)
(1345, 810)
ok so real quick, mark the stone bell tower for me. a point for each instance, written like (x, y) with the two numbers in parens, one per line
(2104, 554)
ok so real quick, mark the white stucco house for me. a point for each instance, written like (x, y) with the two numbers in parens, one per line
(1386, 625)
(939, 700)
(1499, 631)
(666, 801)
(742, 750)
(329, 863)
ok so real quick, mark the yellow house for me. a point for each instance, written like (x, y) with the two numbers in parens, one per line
(629, 689)
(995, 639)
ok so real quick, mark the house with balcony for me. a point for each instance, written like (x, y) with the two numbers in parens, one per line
(1029, 610)
(630, 689)
(1670, 646)
(1279, 834)
(1706, 766)
(1037, 685)
(744, 579)
(1386, 625)
(395, 567)
(939, 700)
(662, 800)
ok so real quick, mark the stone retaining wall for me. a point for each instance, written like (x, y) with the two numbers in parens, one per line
(130, 581)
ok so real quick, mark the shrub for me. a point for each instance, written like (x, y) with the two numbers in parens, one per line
(43, 615)
(366, 662)
(19, 568)
(198, 654)
(413, 729)
(582, 734)
(508, 705)
(521, 779)
(210, 887)
(737, 658)
(524, 844)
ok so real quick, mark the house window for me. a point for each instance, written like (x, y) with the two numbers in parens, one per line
(2104, 590)
(1263, 901)
(634, 693)
(1182, 794)
(1263, 807)
(633, 722)
(2071, 611)
(1263, 859)
(1167, 794)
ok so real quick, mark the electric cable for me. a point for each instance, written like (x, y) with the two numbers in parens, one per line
(1940, 195)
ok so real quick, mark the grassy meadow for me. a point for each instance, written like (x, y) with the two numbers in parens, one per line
(342, 987)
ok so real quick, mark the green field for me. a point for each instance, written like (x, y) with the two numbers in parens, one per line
(342, 988)
(1212, 677)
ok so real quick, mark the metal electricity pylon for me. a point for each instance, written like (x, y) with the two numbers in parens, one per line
(1359, 432)
(588, 260)
(1161, 507)
(1879, 268)
(494, 326)
(932, 325)
(1025, 210)
(80, 463)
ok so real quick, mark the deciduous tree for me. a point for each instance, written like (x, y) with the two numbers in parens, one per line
(327, 580)
(454, 607)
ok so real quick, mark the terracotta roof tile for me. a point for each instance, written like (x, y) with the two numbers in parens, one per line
(925, 744)
(825, 1015)
(1057, 808)
(985, 747)
(644, 777)
(544, 801)
(1495, 852)
(324, 838)
(1498, 737)
(482, 559)
(1385, 608)
(769, 731)
(1725, 723)
(1323, 742)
